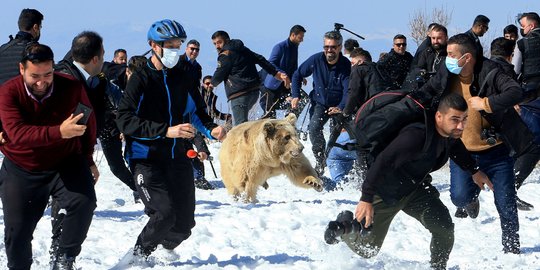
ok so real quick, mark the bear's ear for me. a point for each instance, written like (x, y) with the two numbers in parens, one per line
(291, 118)
(269, 130)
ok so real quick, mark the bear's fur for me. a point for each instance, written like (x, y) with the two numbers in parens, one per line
(257, 150)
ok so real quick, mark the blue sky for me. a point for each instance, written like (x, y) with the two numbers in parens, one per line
(260, 24)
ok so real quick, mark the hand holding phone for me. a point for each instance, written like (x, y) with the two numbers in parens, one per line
(85, 110)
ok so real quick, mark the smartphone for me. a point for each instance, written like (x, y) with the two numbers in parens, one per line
(85, 110)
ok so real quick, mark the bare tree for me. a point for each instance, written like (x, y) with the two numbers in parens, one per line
(419, 22)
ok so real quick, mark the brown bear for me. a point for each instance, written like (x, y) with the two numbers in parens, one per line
(257, 150)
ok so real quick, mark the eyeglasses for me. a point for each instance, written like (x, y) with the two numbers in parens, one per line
(401, 44)
(330, 47)
(194, 49)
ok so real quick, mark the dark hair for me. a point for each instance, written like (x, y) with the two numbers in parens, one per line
(85, 46)
(452, 101)
(194, 42)
(119, 51)
(28, 18)
(350, 44)
(531, 16)
(136, 62)
(222, 34)
(431, 25)
(361, 52)
(37, 53)
(207, 77)
(510, 29)
(297, 29)
(465, 43)
(503, 47)
(440, 28)
(400, 36)
(481, 20)
(335, 35)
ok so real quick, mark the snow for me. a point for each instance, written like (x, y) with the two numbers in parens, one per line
(284, 230)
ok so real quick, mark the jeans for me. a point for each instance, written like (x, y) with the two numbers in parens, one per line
(318, 117)
(241, 105)
(340, 161)
(498, 166)
(530, 113)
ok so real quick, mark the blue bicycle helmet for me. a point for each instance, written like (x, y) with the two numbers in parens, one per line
(164, 30)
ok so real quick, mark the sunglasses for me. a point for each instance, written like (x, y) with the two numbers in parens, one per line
(207, 83)
(330, 47)
(194, 49)
(401, 44)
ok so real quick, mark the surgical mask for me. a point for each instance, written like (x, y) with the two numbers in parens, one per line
(452, 65)
(170, 57)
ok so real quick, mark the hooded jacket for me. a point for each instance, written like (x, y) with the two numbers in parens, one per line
(236, 67)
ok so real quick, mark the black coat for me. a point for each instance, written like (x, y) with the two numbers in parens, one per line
(502, 92)
(236, 67)
(365, 82)
(396, 66)
(11, 54)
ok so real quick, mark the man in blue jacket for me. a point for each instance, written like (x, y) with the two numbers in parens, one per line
(330, 70)
(284, 57)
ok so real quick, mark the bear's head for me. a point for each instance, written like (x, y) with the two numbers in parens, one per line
(282, 139)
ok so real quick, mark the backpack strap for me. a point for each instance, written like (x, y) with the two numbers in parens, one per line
(489, 77)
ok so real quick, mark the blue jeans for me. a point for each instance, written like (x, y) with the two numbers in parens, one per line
(340, 161)
(241, 105)
(498, 166)
(530, 113)
(318, 117)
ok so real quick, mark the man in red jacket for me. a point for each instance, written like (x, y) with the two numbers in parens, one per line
(48, 151)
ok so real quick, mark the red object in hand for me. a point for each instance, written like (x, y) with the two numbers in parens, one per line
(191, 153)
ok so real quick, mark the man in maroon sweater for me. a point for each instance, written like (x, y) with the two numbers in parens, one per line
(46, 153)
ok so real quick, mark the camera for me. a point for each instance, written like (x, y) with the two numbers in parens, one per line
(489, 135)
(338, 26)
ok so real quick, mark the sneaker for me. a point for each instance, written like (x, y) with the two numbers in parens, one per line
(63, 262)
(202, 183)
(523, 205)
(473, 208)
(136, 197)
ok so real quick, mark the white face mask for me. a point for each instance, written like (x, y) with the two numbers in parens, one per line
(170, 57)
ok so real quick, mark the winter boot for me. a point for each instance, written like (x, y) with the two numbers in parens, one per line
(63, 262)
(473, 208)
(523, 205)
(202, 183)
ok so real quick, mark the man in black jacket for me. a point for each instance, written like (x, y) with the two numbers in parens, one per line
(399, 180)
(427, 62)
(236, 67)
(11, 52)
(397, 62)
(479, 28)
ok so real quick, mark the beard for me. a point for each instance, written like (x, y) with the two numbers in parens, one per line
(331, 56)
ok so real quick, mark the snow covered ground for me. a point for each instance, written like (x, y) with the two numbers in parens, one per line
(285, 231)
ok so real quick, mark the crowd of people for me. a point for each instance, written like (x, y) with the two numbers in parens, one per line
(480, 113)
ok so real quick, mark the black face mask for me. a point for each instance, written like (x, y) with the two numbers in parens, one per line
(522, 32)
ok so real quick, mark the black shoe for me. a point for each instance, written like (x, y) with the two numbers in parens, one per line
(142, 252)
(473, 208)
(202, 183)
(461, 213)
(136, 197)
(63, 262)
(523, 205)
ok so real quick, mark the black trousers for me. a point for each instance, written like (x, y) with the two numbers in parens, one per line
(112, 149)
(25, 195)
(425, 206)
(168, 193)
